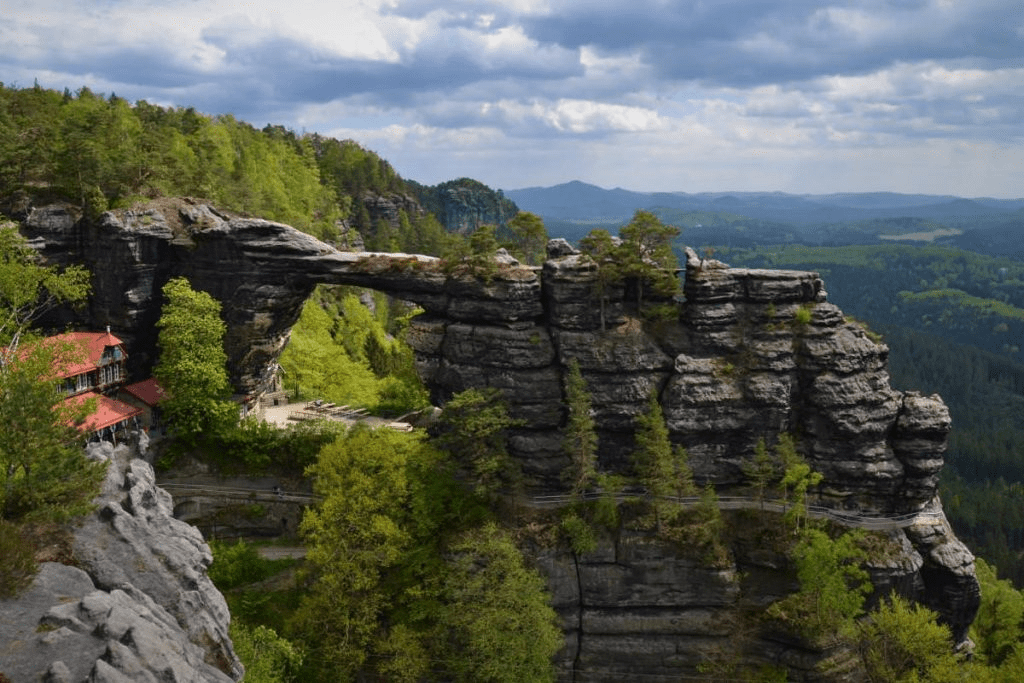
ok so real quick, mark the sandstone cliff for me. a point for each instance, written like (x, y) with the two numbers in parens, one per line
(750, 354)
(465, 204)
(138, 606)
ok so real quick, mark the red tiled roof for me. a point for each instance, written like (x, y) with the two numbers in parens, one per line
(92, 345)
(108, 411)
(148, 391)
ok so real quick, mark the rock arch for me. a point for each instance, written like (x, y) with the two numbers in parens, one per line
(736, 366)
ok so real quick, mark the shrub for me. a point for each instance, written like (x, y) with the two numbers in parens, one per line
(17, 565)
(240, 564)
(580, 535)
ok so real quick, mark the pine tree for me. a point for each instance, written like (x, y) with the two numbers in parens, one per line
(646, 254)
(580, 439)
(601, 247)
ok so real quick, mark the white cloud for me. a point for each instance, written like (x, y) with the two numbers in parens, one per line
(738, 93)
(575, 116)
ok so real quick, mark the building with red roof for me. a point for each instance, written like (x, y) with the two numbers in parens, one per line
(109, 418)
(96, 362)
(146, 396)
(89, 365)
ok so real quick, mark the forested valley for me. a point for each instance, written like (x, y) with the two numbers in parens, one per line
(415, 570)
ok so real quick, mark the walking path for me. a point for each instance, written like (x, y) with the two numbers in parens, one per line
(845, 517)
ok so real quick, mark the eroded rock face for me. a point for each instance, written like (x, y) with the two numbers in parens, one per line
(139, 607)
(751, 354)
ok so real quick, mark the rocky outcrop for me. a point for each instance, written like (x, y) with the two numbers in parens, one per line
(746, 355)
(138, 606)
(465, 204)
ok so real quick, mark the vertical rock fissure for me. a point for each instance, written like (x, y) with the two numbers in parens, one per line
(579, 619)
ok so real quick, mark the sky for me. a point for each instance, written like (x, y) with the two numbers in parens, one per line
(649, 95)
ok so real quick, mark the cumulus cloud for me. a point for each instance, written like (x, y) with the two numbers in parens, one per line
(560, 89)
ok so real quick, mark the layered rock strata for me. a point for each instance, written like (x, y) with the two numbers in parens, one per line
(139, 605)
(746, 355)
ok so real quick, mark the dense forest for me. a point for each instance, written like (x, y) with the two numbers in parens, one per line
(102, 152)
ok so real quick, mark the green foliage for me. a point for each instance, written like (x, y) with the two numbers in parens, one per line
(761, 470)
(498, 625)
(28, 288)
(267, 657)
(474, 427)
(797, 479)
(652, 457)
(997, 629)
(407, 582)
(17, 566)
(466, 197)
(530, 238)
(646, 255)
(354, 537)
(901, 642)
(43, 469)
(832, 586)
(254, 445)
(101, 152)
(346, 357)
(601, 248)
(802, 316)
(474, 256)
(317, 365)
(193, 366)
(661, 468)
(44, 474)
(580, 439)
(239, 564)
(698, 530)
(579, 532)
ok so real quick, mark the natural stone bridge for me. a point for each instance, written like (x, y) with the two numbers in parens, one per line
(734, 367)
(751, 354)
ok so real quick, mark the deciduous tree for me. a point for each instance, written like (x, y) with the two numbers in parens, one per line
(496, 619)
(355, 535)
(43, 471)
(901, 642)
(193, 366)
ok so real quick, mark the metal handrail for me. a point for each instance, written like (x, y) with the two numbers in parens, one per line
(845, 517)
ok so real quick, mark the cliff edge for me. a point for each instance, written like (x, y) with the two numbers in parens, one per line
(137, 607)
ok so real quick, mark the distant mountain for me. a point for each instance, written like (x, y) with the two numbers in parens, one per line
(578, 201)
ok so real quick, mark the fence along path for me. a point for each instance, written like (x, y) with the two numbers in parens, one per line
(845, 517)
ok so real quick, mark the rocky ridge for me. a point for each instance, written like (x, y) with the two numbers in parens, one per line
(751, 354)
(139, 605)
(463, 205)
